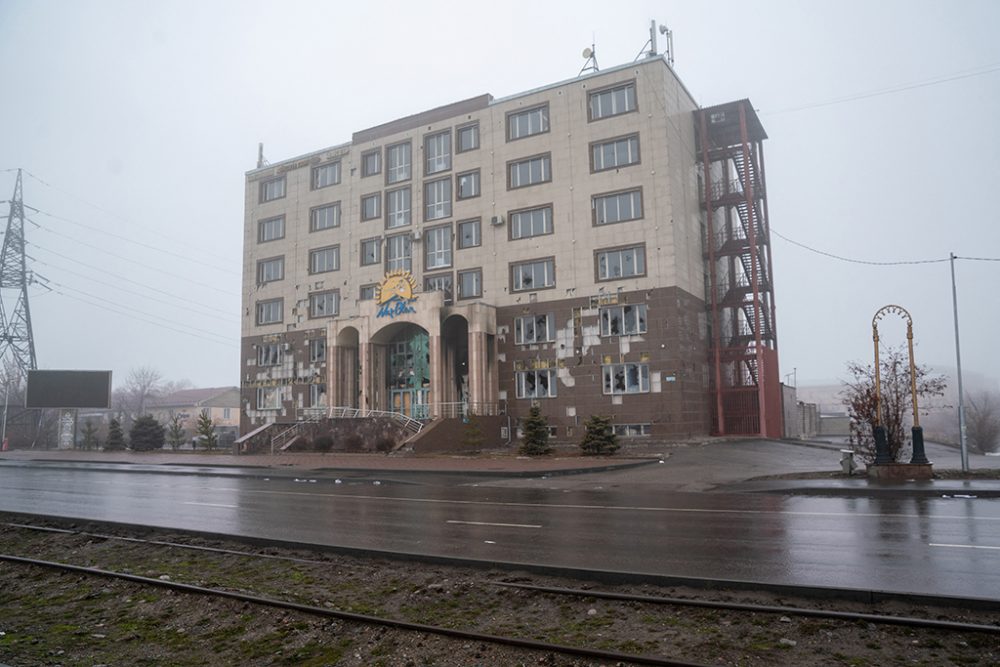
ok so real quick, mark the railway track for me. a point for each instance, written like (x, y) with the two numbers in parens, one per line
(473, 605)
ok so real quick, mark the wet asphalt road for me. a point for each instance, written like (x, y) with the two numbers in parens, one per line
(900, 543)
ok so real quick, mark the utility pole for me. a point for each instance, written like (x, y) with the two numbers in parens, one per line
(17, 343)
(958, 363)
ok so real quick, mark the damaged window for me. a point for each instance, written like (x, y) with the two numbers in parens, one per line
(317, 349)
(324, 304)
(626, 378)
(268, 398)
(270, 354)
(631, 430)
(534, 329)
(440, 283)
(533, 275)
(536, 384)
(621, 263)
(317, 395)
(623, 320)
(269, 312)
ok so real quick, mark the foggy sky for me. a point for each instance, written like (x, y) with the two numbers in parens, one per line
(138, 122)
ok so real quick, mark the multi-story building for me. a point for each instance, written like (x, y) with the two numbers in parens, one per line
(546, 248)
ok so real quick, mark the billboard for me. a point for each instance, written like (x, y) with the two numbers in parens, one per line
(68, 389)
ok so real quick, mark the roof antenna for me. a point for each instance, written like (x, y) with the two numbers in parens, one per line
(651, 43)
(261, 160)
(590, 54)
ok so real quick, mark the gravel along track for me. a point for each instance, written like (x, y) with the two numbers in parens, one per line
(53, 617)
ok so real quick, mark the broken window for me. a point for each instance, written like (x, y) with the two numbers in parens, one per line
(317, 350)
(626, 378)
(623, 320)
(268, 398)
(534, 329)
(269, 354)
(317, 395)
(536, 384)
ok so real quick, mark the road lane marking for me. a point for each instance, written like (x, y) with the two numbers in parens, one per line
(488, 523)
(964, 546)
(232, 507)
(627, 508)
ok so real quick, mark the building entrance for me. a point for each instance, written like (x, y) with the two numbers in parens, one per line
(409, 373)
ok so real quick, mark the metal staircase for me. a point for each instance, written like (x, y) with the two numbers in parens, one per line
(745, 387)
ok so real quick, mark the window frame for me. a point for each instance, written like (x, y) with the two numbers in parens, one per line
(447, 253)
(474, 127)
(389, 168)
(546, 160)
(317, 350)
(261, 304)
(334, 206)
(449, 294)
(370, 289)
(264, 183)
(261, 224)
(335, 293)
(446, 157)
(405, 214)
(478, 226)
(526, 113)
(448, 201)
(551, 383)
(514, 266)
(265, 391)
(376, 242)
(321, 168)
(618, 249)
(367, 155)
(478, 272)
(641, 319)
(595, 145)
(261, 263)
(403, 262)
(520, 330)
(270, 354)
(608, 378)
(592, 117)
(371, 197)
(316, 252)
(607, 196)
(511, 215)
(477, 180)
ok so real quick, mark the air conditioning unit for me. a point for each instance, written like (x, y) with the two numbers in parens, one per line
(497, 220)
(416, 236)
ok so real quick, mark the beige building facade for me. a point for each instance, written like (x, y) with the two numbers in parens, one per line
(489, 255)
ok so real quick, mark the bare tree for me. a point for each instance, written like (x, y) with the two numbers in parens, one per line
(859, 397)
(982, 420)
(141, 384)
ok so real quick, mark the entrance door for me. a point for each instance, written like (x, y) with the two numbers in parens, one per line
(409, 373)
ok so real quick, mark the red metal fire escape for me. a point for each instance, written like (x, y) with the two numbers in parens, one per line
(744, 354)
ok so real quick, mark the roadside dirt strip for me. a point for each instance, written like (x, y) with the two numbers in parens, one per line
(52, 617)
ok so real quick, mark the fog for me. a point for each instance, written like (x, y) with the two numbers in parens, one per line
(136, 122)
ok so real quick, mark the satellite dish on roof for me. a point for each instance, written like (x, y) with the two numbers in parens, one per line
(587, 52)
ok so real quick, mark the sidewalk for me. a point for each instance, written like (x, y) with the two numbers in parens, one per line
(790, 467)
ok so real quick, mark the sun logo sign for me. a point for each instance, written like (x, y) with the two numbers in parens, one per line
(394, 295)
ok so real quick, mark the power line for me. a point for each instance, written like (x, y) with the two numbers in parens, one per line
(856, 261)
(129, 259)
(103, 271)
(138, 243)
(986, 69)
(218, 338)
(871, 263)
(97, 207)
(124, 289)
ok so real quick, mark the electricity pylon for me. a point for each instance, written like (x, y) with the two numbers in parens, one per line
(17, 343)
